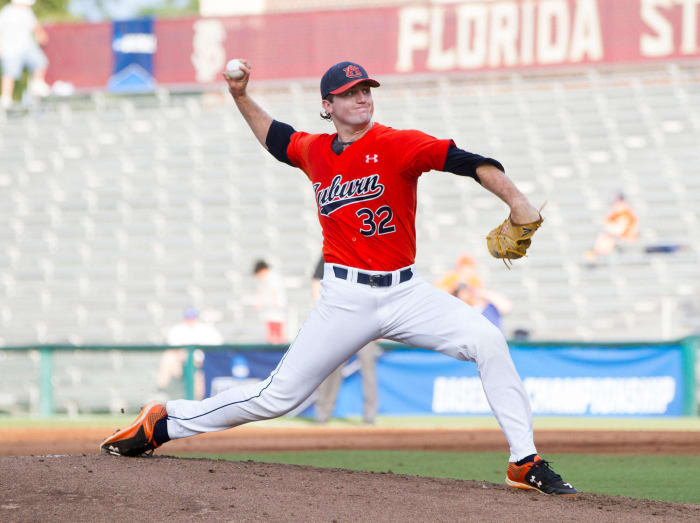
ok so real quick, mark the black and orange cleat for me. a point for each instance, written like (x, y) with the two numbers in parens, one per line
(537, 475)
(137, 438)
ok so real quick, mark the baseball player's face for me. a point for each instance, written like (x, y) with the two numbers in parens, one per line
(352, 107)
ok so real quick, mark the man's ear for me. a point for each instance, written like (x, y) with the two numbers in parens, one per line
(327, 106)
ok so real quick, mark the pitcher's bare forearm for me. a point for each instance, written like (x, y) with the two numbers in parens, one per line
(496, 181)
(258, 120)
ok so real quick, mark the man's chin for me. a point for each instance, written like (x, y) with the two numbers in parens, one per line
(364, 120)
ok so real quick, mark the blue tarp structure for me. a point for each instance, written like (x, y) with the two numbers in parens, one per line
(632, 380)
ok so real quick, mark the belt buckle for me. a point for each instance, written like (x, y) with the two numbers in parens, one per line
(374, 280)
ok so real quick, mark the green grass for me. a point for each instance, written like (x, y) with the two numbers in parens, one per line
(666, 478)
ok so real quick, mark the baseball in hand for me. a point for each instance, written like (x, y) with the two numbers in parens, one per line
(233, 69)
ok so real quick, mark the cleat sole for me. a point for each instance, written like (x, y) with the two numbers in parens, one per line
(524, 486)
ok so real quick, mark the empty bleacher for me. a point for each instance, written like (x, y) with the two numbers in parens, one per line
(119, 212)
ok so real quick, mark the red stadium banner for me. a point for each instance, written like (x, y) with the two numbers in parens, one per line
(80, 54)
(428, 38)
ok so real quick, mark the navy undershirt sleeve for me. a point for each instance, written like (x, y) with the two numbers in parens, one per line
(277, 140)
(464, 163)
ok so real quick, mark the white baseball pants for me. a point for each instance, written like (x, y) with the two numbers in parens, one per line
(347, 317)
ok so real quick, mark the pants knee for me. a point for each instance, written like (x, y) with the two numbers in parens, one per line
(491, 342)
(279, 400)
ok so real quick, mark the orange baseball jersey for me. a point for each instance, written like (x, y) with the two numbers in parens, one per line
(366, 196)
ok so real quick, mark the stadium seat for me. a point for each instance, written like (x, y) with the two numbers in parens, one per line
(151, 203)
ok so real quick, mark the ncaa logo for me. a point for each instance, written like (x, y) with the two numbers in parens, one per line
(352, 71)
(371, 158)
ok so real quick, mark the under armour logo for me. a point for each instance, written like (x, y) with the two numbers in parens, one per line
(534, 481)
(371, 157)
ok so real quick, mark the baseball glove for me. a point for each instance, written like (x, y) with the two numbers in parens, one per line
(510, 241)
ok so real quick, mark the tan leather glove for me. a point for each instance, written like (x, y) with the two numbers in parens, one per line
(510, 241)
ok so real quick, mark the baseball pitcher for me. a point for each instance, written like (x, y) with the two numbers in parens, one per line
(364, 177)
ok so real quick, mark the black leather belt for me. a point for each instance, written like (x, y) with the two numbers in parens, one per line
(374, 280)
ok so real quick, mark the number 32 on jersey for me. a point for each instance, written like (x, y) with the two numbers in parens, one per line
(376, 222)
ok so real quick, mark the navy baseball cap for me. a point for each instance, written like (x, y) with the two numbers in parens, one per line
(342, 76)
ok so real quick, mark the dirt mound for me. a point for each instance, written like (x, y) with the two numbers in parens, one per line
(93, 487)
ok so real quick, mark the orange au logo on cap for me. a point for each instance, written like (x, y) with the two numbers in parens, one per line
(352, 71)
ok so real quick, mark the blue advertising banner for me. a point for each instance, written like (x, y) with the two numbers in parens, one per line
(620, 381)
(568, 380)
(223, 370)
(575, 381)
(133, 47)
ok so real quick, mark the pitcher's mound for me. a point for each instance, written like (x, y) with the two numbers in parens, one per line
(105, 488)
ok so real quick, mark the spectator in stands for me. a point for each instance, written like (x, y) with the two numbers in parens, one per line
(271, 301)
(621, 224)
(491, 304)
(21, 38)
(190, 331)
(521, 334)
(465, 272)
(465, 283)
(328, 390)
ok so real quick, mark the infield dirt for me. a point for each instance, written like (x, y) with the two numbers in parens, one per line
(93, 487)
(18, 441)
(57, 475)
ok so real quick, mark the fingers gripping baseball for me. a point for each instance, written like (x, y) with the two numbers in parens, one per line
(511, 241)
(237, 74)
